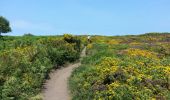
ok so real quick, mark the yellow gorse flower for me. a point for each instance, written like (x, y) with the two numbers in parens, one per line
(139, 52)
(114, 41)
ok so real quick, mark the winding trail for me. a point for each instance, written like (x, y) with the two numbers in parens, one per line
(56, 88)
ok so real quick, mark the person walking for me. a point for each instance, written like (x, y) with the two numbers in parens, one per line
(88, 39)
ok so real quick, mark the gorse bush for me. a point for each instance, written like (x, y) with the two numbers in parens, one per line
(73, 39)
(126, 69)
(26, 63)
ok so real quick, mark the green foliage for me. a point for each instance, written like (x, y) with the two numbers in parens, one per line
(73, 39)
(26, 61)
(124, 68)
(4, 25)
(28, 34)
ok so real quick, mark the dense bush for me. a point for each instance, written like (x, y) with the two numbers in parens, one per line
(124, 68)
(73, 39)
(26, 61)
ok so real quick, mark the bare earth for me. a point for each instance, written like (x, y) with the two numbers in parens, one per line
(56, 88)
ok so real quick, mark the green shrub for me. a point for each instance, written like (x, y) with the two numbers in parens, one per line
(124, 70)
(25, 64)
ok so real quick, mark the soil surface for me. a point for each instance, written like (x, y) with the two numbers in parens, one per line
(56, 88)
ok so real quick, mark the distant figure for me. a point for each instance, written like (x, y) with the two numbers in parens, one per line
(88, 38)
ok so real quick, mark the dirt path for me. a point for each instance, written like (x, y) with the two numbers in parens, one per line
(56, 87)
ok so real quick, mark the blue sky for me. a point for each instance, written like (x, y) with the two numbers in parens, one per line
(102, 17)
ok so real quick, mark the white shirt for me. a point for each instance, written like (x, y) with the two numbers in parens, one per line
(88, 37)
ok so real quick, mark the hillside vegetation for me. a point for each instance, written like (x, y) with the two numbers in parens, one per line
(124, 68)
(26, 61)
(132, 67)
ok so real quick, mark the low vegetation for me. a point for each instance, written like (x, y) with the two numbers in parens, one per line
(124, 68)
(135, 67)
(26, 61)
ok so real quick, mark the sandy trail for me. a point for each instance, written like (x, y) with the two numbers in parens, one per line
(56, 87)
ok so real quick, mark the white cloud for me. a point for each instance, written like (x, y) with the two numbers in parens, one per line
(27, 25)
